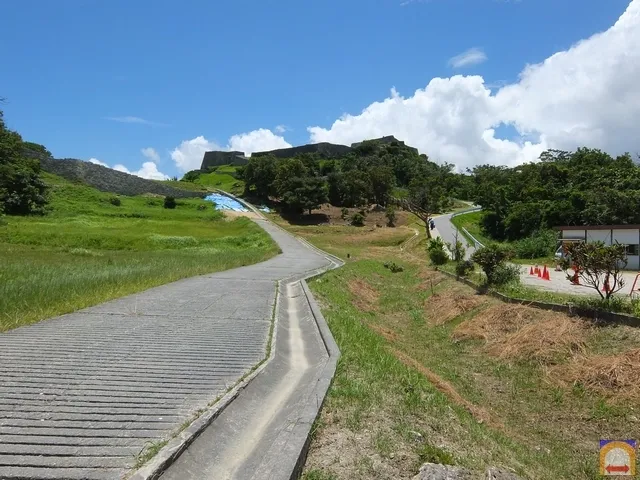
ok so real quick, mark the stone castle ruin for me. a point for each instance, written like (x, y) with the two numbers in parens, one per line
(324, 149)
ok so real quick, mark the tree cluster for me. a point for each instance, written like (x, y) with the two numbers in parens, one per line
(585, 187)
(22, 191)
(373, 173)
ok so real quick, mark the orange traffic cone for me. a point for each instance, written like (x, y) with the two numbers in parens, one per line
(531, 271)
(576, 278)
(536, 270)
(539, 273)
(544, 272)
(606, 287)
(546, 275)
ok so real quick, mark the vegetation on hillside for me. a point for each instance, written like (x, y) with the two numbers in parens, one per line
(22, 192)
(228, 178)
(94, 246)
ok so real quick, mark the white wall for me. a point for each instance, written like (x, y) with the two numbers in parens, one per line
(573, 234)
(600, 236)
(633, 263)
(628, 237)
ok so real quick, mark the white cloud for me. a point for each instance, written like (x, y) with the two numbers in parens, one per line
(257, 141)
(188, 155)
(281, 129)
(151, 154)
(97, 162)
(586, 96)
(149, 170)
(473, 56)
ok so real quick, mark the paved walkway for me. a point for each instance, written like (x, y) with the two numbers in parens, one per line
(82, 394)
(447, 231)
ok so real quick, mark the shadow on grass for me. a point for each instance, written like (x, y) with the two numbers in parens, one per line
(305, 219)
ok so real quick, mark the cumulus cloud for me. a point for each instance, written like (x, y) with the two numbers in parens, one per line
(97, 162)
(188, 155)
(281, 128)
(151, 154)
(257, 141)
(473, 56)
(149, 170)
(586, 96)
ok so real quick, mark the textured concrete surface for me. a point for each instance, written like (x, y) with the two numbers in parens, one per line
(82, 394)
(447, 231)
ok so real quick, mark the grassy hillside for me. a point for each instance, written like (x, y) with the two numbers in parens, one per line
(432, 372)
(87, 250)
(223, 179)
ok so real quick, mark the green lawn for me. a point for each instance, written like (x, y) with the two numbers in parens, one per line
(87, 250)
(471, 221)
(407, 392)
(222, 179)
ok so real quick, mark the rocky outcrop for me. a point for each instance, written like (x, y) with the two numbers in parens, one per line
(109, 180)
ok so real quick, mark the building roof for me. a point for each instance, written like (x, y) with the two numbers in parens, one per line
(598, 227)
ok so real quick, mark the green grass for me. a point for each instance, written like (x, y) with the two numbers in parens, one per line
(471, 221)
(86, 250)
(379, 406)
(222, 179)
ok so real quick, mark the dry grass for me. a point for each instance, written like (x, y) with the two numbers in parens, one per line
(610, 375)
(480, 414)
(446, 305)
(365, 297)
(387, 333)
(520, 332)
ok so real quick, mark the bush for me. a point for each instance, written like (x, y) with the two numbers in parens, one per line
(464, 268)
(202, 207)
(394, 267)
(357, 220)
(490, 258)
(457, 250)
(437, 252)
(169, 202)
(344, 213)
(115, 201)
(506, 273)
(391, 216)
(540, 244)
(191, 176)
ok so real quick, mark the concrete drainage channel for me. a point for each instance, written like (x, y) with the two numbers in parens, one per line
(261, 428)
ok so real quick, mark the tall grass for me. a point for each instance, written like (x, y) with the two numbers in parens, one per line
(87, 250)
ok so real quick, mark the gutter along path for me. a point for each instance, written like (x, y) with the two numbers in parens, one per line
(81, 395)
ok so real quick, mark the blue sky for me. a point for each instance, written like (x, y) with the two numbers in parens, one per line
(106, 79)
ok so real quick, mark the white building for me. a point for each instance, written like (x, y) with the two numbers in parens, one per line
(628, 235)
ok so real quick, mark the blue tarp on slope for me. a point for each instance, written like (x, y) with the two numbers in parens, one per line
(225, 203)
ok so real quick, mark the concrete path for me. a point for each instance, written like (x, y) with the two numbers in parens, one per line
(447, 231)
(81, 395)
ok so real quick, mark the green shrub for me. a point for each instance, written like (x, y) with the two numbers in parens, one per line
(540, 244)
(191, 176)
(464, 268)
(391, 216)
(202, 207)
(432, 454)
(394, 267)
(506, 273)
(437, 252)
(115, 201)
(169, 202)
(357, 220)
(490, 258)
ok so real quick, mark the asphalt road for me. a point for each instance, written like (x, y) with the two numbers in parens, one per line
(447, 232)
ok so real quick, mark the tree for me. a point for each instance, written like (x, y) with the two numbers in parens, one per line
(491, 259)
(259, 176)
(306, 193)
(391, 216)
(357, 189)
(170, 202)
(457, 248)
(22, 192)
(191, 176)
(598, 266)
(382, 183)
(437, 251)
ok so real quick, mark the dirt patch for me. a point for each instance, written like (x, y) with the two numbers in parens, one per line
(444, 306)
(429, 279)
(365, 297)
(232, 214)
(480, 414)
(609, 375)
(388, 334)
(521, 332)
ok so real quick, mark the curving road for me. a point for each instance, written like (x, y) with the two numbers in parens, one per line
(81, 395)
(447, 231)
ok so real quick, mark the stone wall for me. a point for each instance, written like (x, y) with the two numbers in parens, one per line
(108, 180)
(215, 159)
(326, 150)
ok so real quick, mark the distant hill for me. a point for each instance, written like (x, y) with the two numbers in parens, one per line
(109, 180)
